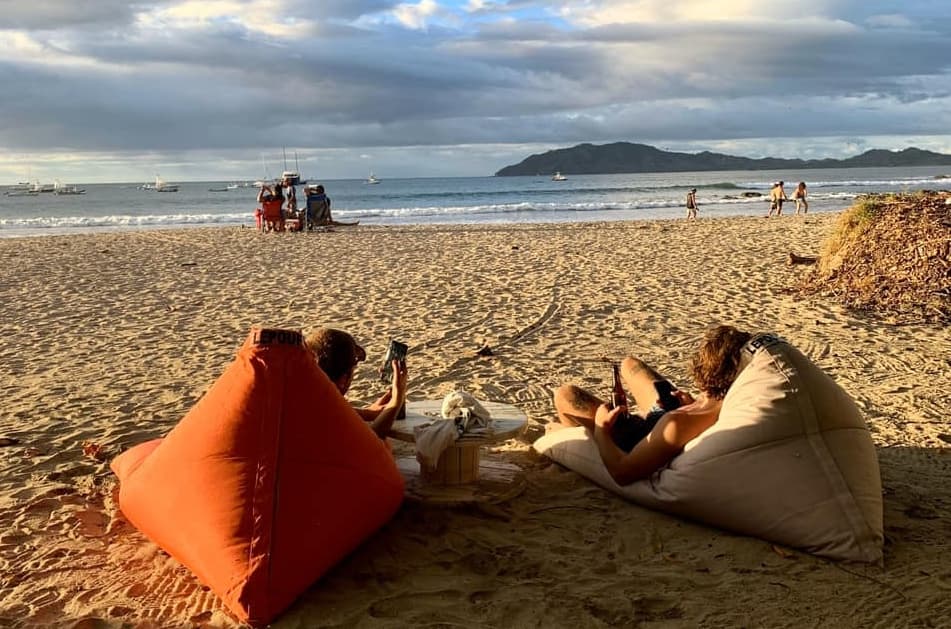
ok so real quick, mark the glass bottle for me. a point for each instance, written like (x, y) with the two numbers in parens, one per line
(618, 396)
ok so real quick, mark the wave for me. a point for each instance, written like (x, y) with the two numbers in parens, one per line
(426, 213)
(909, 182)
(556, 190)
(120, 220)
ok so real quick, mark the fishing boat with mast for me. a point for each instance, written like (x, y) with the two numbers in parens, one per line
(292, 176)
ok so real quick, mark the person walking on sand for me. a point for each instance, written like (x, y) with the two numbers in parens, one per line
(692, 203)
(799, 196)
(776, 197)
(634, 446)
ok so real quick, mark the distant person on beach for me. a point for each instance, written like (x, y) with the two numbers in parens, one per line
(338, 355)
(317, 210)
(290, 194)
(776, 197)
(637, 445)
(272, 207)
(692, 203)
(799, 196)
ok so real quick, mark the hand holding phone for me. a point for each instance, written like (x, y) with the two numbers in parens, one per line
(395, 351)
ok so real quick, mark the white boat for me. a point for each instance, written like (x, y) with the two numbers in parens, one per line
(292, 177)
(558, 176)
(231, 186)
(162, 186)
(61, 188)
(372, 179)
(41, 187)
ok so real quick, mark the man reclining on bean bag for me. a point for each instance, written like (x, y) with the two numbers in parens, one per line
(771, 447)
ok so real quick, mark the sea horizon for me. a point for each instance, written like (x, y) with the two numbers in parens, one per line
(491, 199)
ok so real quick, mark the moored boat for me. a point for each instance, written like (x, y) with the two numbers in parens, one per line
(163, 186)
(61, 188)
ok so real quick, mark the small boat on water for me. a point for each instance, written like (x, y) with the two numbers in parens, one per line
(61, 188)
(41, 187)
(372, 179)
(558, 176)
(292, 177)
(163, 186)
(21, 193)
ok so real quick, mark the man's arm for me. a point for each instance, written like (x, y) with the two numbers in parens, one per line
(383, 422)
(658, 448)
(367, 414)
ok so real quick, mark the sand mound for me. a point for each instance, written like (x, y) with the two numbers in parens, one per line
(889, 255)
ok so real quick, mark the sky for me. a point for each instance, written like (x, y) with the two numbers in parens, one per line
(222, 89)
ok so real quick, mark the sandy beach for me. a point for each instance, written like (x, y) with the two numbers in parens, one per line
(111, 338)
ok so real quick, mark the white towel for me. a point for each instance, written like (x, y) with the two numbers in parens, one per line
(460, 405)
(432, 439)
(462, 414)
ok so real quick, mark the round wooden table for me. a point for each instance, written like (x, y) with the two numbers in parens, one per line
(461, 474)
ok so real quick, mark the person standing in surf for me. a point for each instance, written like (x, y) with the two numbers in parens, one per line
(692, 204)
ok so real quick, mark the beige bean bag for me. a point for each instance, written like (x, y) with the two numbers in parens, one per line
(790, 460)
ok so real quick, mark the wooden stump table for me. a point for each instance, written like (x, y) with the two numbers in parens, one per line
(461, 474)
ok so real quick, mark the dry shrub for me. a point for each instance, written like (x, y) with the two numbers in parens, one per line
(890, 255)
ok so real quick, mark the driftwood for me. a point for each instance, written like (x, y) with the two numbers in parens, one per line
(794, 259)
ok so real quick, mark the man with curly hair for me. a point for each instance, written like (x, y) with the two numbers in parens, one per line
(634, 446)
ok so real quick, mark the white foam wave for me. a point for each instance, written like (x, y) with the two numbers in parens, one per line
(909, 182)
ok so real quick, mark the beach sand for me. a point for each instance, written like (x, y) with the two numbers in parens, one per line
(109, 339)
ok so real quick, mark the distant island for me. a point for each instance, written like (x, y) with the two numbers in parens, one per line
(627, 157)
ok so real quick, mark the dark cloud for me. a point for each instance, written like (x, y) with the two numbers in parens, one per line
(339, 81)
(57, 14)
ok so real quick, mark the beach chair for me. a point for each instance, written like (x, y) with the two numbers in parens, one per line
(273, 216)
(318, 211)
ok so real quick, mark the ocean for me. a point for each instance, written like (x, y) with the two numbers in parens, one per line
(458, 200)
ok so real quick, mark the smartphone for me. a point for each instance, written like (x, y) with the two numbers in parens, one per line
(665, 395)
(395, 351)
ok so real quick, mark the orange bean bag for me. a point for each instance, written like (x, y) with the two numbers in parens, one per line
(268, 482)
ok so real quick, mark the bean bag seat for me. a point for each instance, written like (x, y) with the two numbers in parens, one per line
(269, 480)
(789, 460)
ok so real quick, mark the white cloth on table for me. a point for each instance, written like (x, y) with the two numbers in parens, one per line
(461, 405)
(462, 414)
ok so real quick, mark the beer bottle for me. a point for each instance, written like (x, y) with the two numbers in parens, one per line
(618, 397)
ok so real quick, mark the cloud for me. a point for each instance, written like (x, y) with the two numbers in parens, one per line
(232, 76)
(415, 16)
(893, 20)
(56, 14)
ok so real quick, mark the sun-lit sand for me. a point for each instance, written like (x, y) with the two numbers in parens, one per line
(109, 339)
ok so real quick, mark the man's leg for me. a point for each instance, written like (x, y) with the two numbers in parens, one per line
(639, 379)
(575, 406)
